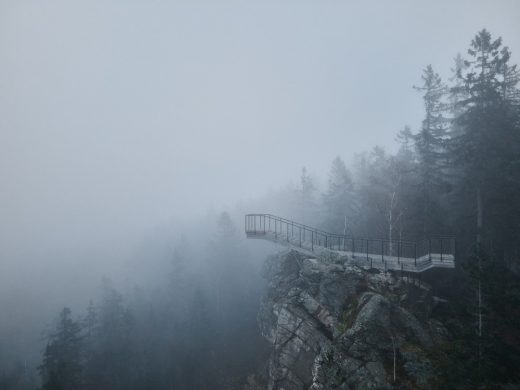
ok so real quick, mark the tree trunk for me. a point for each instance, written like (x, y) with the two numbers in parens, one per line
(395, 354)
(478, 249)
(479, 258)
(390, 231)
(479, 219)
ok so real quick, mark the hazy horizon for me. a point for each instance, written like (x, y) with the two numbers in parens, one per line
(126, 124)
(117, 118)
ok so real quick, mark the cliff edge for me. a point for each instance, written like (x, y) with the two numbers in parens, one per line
(333, 325)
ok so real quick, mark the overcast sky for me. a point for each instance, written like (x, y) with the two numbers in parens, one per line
(118, 115)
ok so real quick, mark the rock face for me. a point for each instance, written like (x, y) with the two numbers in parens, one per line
(336, 326)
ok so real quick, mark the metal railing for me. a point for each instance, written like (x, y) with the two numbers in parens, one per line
(435, 249)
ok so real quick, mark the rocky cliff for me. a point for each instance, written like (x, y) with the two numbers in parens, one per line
(333, 325)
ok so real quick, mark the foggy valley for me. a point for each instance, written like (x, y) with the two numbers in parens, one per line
(259, 195)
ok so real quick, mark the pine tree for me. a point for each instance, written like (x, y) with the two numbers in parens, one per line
(224, 259)
(112, 359)
(430, 149)
(405, 138)
(90, 321)
(226, 238)
(61, 367)
(381, 194)
(339, 200)
(306, 193)
(457, 92)
(483, 149)
(489, 140)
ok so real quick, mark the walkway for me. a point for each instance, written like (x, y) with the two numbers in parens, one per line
(366, 252)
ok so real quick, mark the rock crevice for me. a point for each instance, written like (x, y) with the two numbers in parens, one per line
(333, 325)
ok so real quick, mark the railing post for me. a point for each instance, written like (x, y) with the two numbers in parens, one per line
(257, 224)
(454, 249)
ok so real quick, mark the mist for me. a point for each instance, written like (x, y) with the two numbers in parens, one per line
(128, 128)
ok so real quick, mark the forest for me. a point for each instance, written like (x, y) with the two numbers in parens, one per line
(193, 326)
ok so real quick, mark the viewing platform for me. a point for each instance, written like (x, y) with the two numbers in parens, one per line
(366, 252)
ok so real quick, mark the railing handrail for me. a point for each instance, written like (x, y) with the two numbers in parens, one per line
(290, 221)
(336, 235)
(426, 247)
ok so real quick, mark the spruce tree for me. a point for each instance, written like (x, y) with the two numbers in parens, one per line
(61, 368)
(306, 193)
(112, 359)
(430, 150)
(488, 144)
(339, 200)
(484, 150)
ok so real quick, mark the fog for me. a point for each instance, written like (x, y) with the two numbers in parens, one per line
(125, 121)
(116, 116)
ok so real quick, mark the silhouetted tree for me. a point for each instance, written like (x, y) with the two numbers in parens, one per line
(430, 150)
(112, 362)
(488, 142)
(61, 367)
(485, 150)
(339, 201)
(306, 193)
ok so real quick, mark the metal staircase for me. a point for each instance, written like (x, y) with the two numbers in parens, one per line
(366, 252)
